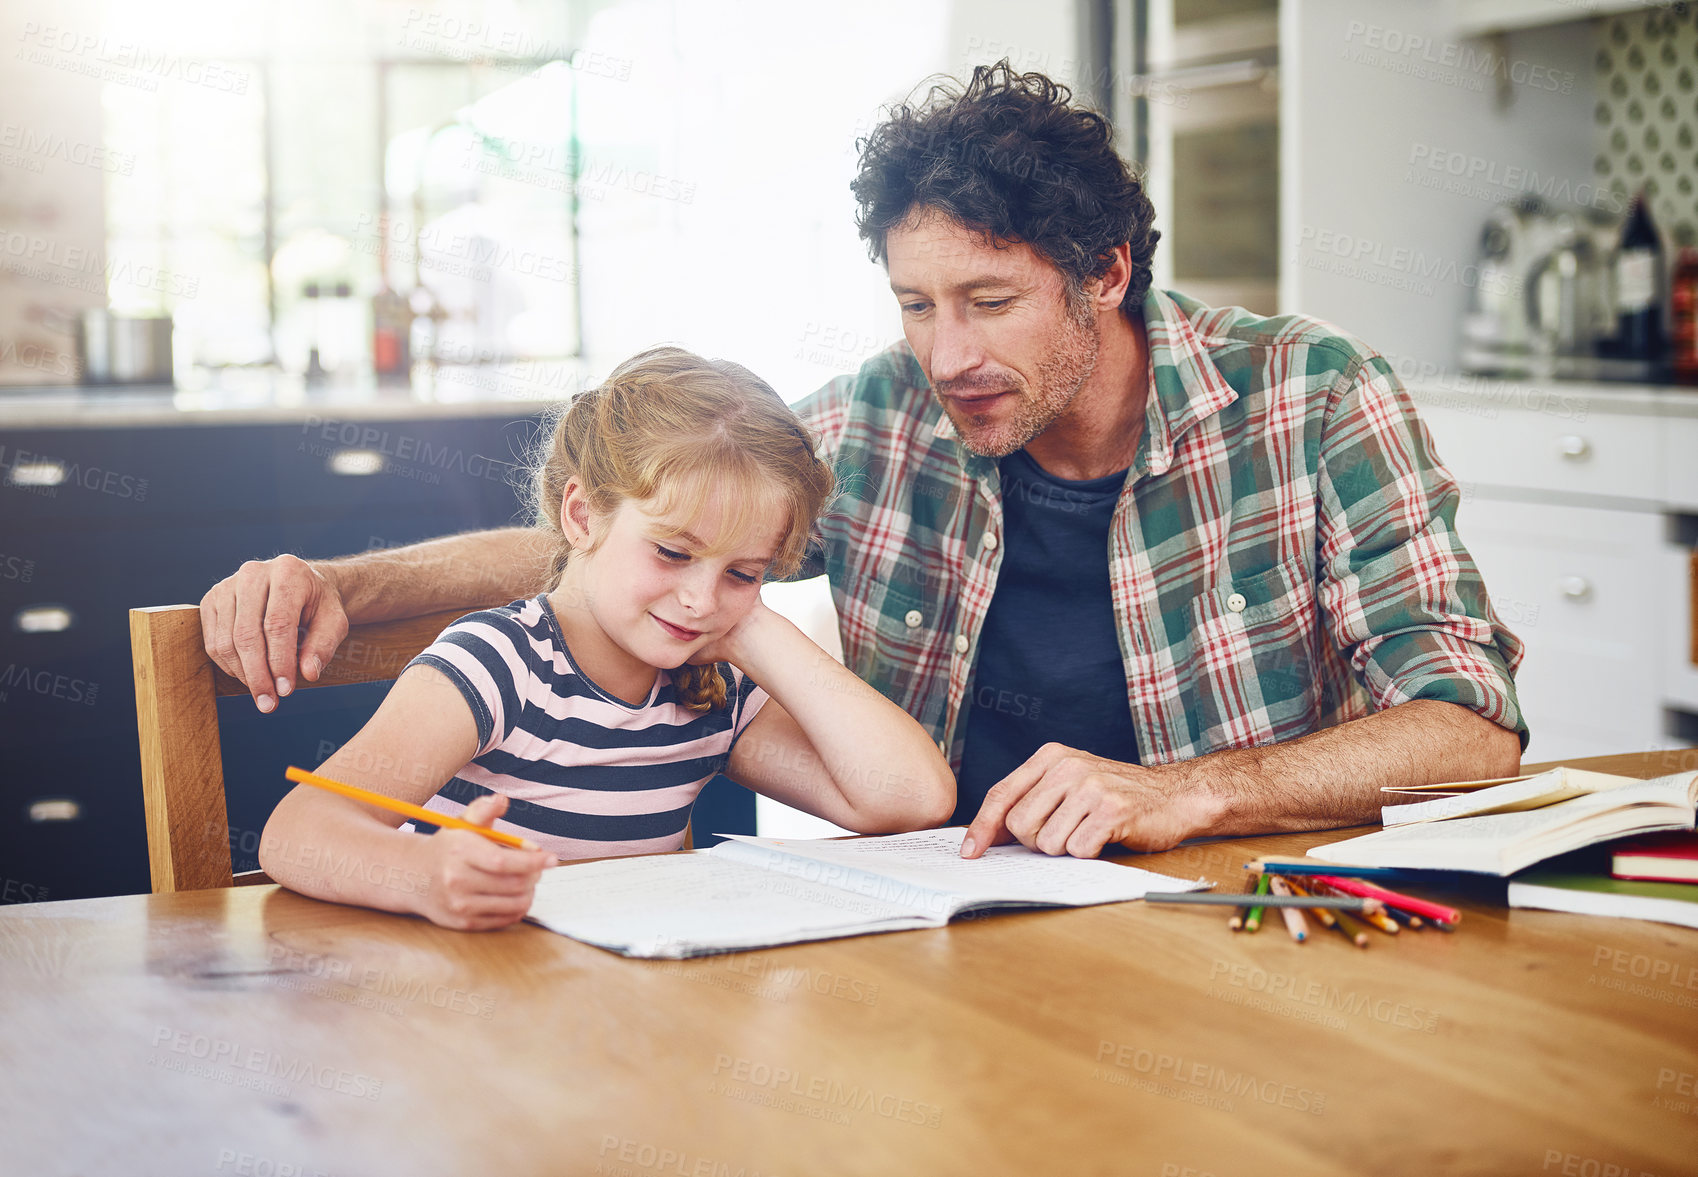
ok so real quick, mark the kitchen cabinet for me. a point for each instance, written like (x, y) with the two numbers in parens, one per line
(1477, 18)
(1576, 506)
(102, 511)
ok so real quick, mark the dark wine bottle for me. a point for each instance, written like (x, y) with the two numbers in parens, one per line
(1639, 286)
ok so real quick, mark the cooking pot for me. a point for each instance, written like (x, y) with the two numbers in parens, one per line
(124, 349)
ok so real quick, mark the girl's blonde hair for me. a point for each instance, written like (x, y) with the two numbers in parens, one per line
(670, 426)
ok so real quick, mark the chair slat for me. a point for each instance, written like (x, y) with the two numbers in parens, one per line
(188, 835)
(177, 692)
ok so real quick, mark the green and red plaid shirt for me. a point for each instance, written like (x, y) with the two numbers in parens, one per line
(1283, 557)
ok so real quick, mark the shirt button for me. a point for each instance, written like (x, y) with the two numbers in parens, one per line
(913, 619)
(989, 541)
(1236, 602)
(941, 747)
(960, 643)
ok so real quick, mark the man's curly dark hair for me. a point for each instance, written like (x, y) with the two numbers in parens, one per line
(1010, 156)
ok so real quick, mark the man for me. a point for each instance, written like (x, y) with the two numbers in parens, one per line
(1155, 570)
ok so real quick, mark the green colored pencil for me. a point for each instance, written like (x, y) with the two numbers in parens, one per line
(1254, 919)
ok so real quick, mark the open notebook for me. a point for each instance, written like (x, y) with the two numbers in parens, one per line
(758, 892)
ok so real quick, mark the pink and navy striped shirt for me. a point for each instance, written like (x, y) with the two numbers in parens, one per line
(587, 775)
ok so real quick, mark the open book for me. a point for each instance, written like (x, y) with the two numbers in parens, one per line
(1501, 843)
(1471, 798)
(757, 892)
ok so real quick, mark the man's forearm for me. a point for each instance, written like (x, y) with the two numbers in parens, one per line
(1333, 778)
(454, 572)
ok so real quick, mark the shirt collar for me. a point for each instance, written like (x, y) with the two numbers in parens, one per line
(1185, 385)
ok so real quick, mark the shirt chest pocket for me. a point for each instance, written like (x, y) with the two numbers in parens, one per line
(899, 644)
(1252, 667)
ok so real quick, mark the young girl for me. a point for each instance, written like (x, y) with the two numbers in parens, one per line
(587, 719)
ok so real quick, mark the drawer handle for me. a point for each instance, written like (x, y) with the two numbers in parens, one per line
(43, 619)
(1572, 445)
(355, 463)
(41, 472)
(1575, 588)
(55, 809)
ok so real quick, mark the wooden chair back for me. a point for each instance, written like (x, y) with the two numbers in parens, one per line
(177, 689)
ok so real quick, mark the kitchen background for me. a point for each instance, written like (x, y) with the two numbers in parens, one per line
(302, 277)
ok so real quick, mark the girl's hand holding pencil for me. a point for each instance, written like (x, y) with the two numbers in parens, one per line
(477, 884)
(475, 878)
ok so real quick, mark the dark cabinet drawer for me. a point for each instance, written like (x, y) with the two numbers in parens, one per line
(204, 471)
(199, 500)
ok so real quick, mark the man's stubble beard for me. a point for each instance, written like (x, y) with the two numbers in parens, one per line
(1059, 377)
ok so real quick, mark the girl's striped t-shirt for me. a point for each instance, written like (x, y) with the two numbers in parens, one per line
(587, 775)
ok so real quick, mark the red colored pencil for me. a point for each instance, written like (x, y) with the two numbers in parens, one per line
(1435, 911)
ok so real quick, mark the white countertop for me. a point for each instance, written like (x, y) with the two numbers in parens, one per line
(1571, 399)
(238, 396)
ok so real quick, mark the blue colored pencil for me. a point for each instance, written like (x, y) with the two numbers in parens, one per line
(1322, 868)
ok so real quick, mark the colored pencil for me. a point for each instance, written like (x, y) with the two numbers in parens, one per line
(1422, 907)
(407, 808)
(1294, 921)
(1254, 919)
(1236, 923)
(1275, 867)
(1356, 932)
(1406, 918)
(1382, 921)
(1328, 920)
(1215, 899)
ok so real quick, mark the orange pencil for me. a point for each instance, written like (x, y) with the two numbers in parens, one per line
(418, 813)
(1321, 913)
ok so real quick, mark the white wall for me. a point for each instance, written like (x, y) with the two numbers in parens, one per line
(1372, 90)
(52, 174)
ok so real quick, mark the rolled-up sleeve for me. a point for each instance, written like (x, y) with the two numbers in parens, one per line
(1402, 599)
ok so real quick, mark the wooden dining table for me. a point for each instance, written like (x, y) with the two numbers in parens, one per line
(253, 1031)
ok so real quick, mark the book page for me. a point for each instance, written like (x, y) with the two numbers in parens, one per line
(931, 860)
(677, 905)
(1487, 842)
(1532, 792)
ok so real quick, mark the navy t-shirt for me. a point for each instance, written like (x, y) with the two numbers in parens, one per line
(1049, 665)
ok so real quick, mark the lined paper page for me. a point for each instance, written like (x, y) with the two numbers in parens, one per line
(932, 859)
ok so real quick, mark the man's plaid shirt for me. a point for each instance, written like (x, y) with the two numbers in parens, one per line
(1284, 555)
